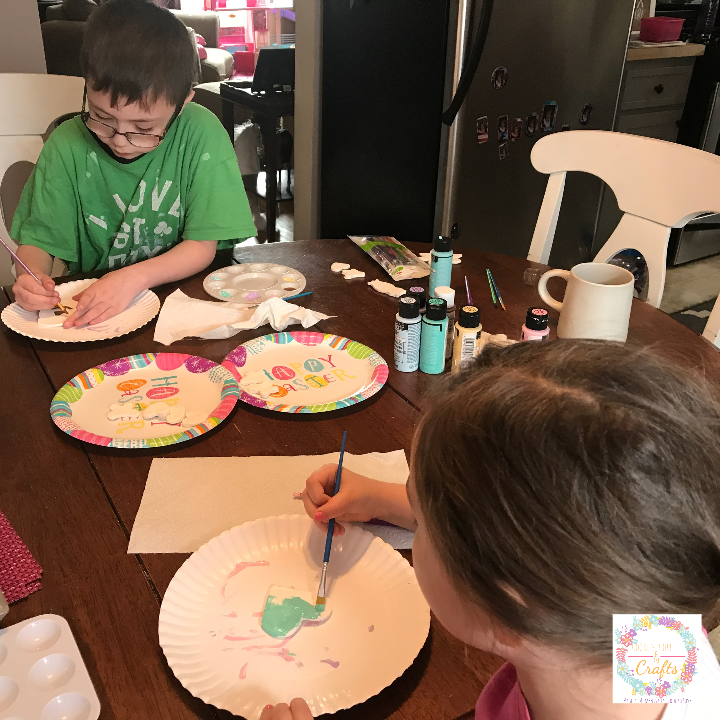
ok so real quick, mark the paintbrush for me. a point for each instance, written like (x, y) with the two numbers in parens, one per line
(492, 289)
(320, 602)
(467, 292)
(28, 271)
(497, 292)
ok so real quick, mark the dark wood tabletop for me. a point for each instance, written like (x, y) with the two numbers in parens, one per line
(74, 504)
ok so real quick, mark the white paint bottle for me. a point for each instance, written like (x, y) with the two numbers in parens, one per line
(407, 334)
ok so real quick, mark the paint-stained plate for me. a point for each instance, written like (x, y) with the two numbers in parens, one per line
(375, 622)
(311, 372)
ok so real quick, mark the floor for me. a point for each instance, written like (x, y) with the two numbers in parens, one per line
(285, 222)
(691, 284)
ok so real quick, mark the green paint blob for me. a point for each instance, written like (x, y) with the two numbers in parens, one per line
(279, 619)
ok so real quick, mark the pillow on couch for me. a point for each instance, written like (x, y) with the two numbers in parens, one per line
(79, 9)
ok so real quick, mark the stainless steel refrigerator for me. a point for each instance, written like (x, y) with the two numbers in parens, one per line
(391, 166)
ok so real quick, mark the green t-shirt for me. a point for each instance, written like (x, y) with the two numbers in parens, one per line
(95, 213)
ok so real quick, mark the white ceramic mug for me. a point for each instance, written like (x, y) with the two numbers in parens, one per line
(597, 301)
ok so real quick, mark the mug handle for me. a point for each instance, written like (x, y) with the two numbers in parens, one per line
(542, 287)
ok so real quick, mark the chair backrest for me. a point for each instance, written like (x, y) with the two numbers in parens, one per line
(659, 181)
(29, 104)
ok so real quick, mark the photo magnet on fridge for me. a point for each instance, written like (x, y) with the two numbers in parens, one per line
(548, 116)
(504, 150)
(481, 127)
(531, 124)
(499, 77)
(503, 128)
(516, 127)
(585, 113)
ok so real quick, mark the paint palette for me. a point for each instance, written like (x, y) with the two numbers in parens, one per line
(42, 674)
(375, 622)
(252, 283)
(207, 390)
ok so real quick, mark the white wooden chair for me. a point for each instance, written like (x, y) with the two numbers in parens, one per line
(29, 104)
(658, 185)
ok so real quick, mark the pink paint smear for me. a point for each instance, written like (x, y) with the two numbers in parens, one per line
(238, 568)
(371, 628)
(243, 672)
(332, 663)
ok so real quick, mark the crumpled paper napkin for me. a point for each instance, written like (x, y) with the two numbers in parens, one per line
(182, 316)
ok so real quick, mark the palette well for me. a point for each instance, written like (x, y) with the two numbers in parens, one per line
(252, 283)
(42, 674)
(375, 622)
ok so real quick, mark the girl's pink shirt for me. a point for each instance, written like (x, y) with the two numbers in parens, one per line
(501, 698)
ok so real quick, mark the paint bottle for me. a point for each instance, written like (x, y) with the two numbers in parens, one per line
(407, 335)
(448, 295)
(536, 325)
(419, 293)
(432, 337)
(467, 332)
(441, 263)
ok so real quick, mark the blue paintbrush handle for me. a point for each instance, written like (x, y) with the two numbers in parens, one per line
(331, 523)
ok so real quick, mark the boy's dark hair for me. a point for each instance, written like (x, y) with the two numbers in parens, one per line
(563, 482)
(139, 52)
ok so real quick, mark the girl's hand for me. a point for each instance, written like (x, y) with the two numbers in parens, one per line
(297, 710)
(107, 297)
(32, 296)
(356, 501)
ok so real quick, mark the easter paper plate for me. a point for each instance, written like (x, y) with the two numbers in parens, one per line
(253, 283)
(309, 372)
(203, 388)
(143, 308)
(375, 622)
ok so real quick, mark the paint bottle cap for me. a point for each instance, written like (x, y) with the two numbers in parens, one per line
(419, 294)
(537, 319)
(443, 243)
(447, 294)
(469, 317)
(436, 309)
(409, 307)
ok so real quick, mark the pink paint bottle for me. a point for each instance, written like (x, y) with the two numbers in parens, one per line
(536, 325)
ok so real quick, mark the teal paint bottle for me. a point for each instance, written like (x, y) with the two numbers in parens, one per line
(440, 264)
(432, 337)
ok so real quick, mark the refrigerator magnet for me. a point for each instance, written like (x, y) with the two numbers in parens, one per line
(585, 113)
(499, 77)
(548, 116)
(531, 124)
(504, 150)
(516, 127)
(481, 127)
(502, 128)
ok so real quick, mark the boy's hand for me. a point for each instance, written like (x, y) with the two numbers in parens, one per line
(32, 296)
(355, 502)
(297, 710)
(107, 297)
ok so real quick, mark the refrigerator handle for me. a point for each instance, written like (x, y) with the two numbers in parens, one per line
(711, 128)
(471, 66)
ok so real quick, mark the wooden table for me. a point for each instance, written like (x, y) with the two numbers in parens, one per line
(74, 504)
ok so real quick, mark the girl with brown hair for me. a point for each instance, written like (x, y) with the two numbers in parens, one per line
(553, 485)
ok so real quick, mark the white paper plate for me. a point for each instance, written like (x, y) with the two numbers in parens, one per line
(252, 283)
(378, 620)
(81, 405)
(143, 308)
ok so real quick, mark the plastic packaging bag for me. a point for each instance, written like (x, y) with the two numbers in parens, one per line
(393, 256)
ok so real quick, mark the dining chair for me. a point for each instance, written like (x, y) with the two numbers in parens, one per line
(712, 327)
(29, 105)
(658, 185)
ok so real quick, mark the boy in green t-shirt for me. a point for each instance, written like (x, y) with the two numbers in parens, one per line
(143, 183)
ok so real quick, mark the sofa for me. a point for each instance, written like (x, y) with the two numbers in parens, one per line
(63, 34)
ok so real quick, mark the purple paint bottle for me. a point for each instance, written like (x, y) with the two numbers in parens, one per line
(536, 325)
(419, 293)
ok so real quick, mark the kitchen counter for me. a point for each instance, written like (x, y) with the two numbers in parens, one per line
(661, 52)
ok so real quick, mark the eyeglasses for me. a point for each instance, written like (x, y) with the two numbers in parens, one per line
(138, 139)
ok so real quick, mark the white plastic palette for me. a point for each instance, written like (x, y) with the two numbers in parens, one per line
(42, 674)
(253, 283)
